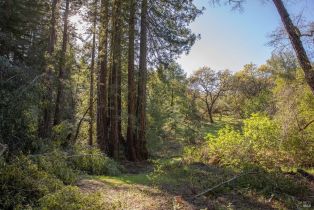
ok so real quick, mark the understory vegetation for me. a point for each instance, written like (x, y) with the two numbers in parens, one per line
(96, 113)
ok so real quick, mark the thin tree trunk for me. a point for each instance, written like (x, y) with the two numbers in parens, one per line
(45, 124)
(209, 111)
(61, 76)
(295, 38)
(131, 141)
(102, 124)
(141, 102)
(92, 72)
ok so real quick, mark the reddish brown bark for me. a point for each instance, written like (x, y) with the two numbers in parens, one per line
(141, 102)
(115, 93)
(92, 72)
(61, 76)
(102, 92)
(131, 141)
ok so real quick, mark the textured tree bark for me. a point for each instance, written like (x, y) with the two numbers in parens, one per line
(61, 76)
(46, 122)
(102, 92)
(92, 72)
(115, 121)
(295, 38)
(131, 141)
(141, 102)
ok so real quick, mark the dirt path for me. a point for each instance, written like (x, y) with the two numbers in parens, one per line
(133, 196)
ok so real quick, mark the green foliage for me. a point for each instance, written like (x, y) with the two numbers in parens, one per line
(260, 142)
(257, 143)
(295, 112)
(250, 91)
(22, 183)
(70, 198)
(16, 109)
(167, 105)
(62, 134)
(94, 162)
(24, 180)
(56, 163)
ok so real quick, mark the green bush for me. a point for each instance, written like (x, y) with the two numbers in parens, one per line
(22, 183)
(93, 162)
(257, 143)
(56, 163)
(70, 198)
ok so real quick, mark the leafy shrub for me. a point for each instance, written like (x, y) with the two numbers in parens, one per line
(56, 163)
(70, 198)
(22, 183)
(92, 161)
(62, 134)
(257, 143)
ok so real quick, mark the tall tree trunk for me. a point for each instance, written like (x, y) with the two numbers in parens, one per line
(141, 102)
(131, 141)
(295, 38)
(115, 121)
(61, 76)
(102, 124)
(92, 72)
(45, 124)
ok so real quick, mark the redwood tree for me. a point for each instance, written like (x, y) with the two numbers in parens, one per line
(131, 138)
(61, 74)
(102, 124)
(142, 80)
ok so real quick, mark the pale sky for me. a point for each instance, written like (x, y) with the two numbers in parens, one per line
(231, 39)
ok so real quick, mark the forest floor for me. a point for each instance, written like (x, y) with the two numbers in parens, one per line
(168, 182)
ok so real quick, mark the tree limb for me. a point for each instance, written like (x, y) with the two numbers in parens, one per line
(80, 123)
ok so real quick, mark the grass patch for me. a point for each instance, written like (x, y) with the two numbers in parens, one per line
(221, 123)
(130, 179)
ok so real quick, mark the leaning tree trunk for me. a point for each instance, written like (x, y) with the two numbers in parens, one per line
(92, 72)
(295, 38)
(45, 124)
(102, 124)
(61, 76)
(131, 141)
(141, 102)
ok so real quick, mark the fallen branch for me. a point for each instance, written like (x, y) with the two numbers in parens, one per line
(223, 183)
(307, 125)
(3, 148)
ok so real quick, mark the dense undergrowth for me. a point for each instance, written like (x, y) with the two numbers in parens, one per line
(44, 181)
(260, 141)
